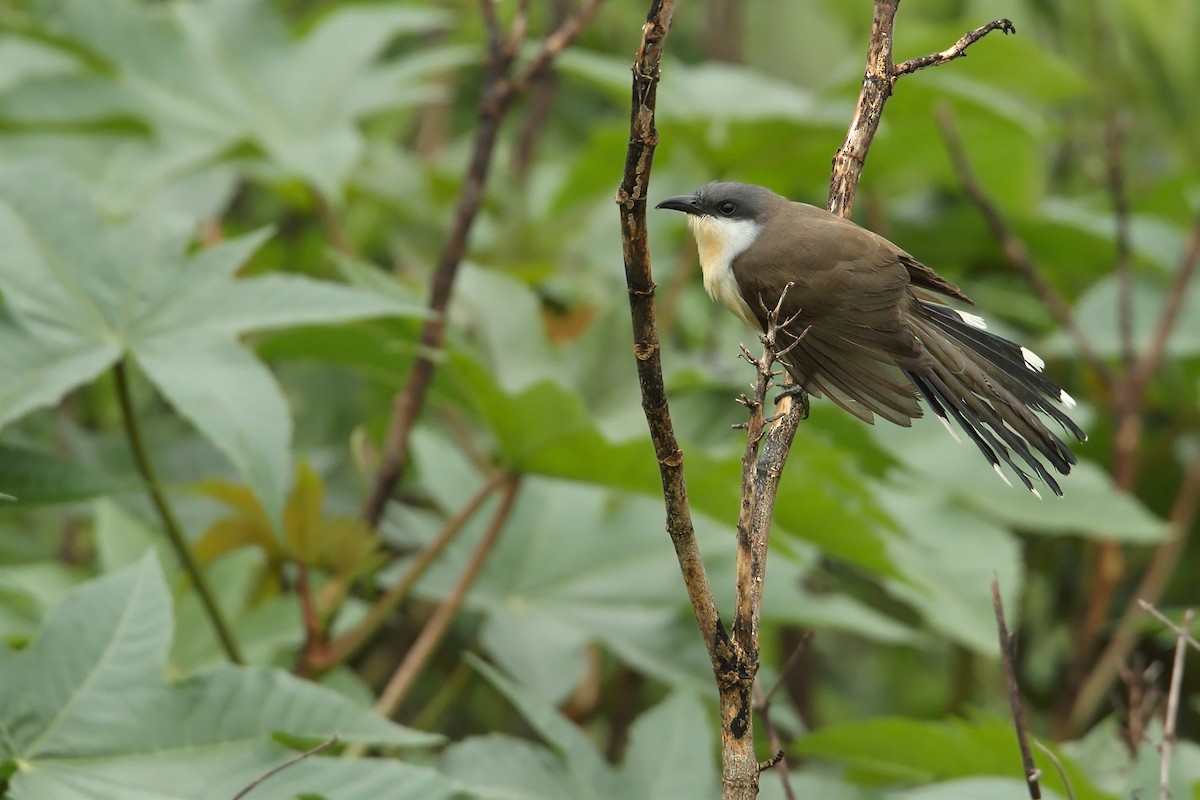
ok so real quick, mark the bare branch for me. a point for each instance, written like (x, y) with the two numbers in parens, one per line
(1032, 773)
(1184, 274)
(957, 50)
(1123, 260)
(876, 88)
(1058, 767)
(351, 642)
(494, 101)
(1181, 631)
(418, 655)
(1014, 248)
(1172, 712)
(254, 784)
(555, 43)
(1153, 583)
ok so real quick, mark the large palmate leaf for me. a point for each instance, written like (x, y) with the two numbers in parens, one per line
(80, 294)
(579, 565)
(918, 751)
(668, 757)
(210, 77)
(86, 712)
(1091, 505)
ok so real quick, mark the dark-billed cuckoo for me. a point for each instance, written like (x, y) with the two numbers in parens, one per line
(866, 333)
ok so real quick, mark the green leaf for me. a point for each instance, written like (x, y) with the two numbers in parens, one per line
(80, 294)
(226, 74)
(1091, 505)
(709, 91)
(546, 429)
(1097, 308)
(667, 754)
(917, 751)
(571, 568)
(33, 477)
(235, 402)
(948, 557)
(26, 592)
(973, 787)
(87, 712)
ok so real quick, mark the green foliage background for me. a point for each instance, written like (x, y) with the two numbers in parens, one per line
(243, 202)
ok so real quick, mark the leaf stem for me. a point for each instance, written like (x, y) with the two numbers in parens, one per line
(174, 530)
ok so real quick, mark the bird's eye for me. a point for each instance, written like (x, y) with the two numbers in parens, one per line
(727, 208)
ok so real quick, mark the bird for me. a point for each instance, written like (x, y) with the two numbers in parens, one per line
(866, 326)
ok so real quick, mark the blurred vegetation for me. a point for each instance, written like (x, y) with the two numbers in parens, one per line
(242, 203)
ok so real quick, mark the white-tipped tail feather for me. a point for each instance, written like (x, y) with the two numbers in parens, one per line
(974, 320)
(1032, 360)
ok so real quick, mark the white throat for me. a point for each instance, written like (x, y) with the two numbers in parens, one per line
(720, 241)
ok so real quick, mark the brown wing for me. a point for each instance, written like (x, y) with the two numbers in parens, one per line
(849, 287)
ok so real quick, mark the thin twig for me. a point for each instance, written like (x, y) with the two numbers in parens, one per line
(1014, 248)
(555, 43)
(877, 85)
(418, 655)
(762, 706)
(1058, 767)
(1123, 257)
(1032, 773)
(631, 202)
(495, 100)
(759, 486)
(956, 50)
(291, 762)
(1154, 582)
(351, 642)
(1180, 631)
(1172, 712)
(801, 645)
(1152, 358)
(314, 636)
(542, 91)
(174, 531)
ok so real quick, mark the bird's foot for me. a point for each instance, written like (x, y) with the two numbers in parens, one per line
(797, 393)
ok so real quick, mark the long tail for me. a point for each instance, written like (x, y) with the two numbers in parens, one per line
(991, 387)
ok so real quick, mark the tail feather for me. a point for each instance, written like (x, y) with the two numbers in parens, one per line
(991, 387)
(1028, 383)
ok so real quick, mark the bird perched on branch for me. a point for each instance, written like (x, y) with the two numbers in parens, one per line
(863, 330)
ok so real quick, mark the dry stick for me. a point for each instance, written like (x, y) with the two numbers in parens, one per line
(1014, 248)
(499, 90)
(1166, 558)
(174, 531)
(1180, 631)
(733, 670)
(418, 655)
(1123, 259)
(291, 762)
(1172, 712)
(351, 642)
(631, 201)
(314, 635)
(762, 706)
(878, 82)
(1154, 582)
(1058, 767)
(957, 50)
(739, 766)
(1014, 695)
(1151, 360)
